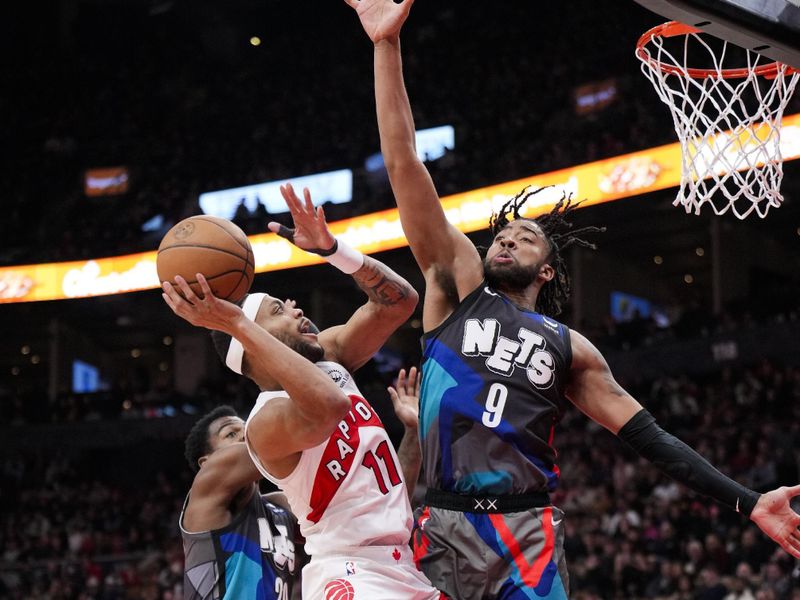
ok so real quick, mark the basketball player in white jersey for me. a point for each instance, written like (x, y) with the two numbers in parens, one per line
(311, 431)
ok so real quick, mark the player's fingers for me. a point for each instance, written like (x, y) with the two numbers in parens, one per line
(286, 233)
(166, 286)
(169, 302)
(207, 293)
(401, 380)
(419, 381)
(393, 395)
(292, 201)
(351, 3)
(321, 215)
(309, 203)
(792, 546)
(794, 490)
(188, 293)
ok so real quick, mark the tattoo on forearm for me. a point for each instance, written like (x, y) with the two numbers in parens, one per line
(380, 283)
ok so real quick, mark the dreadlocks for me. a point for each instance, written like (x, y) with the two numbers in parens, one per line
(559, 234)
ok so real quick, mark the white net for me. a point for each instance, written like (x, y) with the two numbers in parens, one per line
(728, 121)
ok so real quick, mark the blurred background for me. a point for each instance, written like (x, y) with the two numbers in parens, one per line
(697, 315)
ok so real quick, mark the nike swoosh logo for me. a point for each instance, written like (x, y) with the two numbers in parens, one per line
(556, 523)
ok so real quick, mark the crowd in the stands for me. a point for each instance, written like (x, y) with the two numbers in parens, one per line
(101, 525)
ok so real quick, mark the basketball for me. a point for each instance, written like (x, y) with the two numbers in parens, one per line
(212, 246)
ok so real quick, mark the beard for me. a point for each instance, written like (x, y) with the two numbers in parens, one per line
(308, 350)
(510, 277)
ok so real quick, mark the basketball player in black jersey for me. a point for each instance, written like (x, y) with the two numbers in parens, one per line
(499, 372)
(237, 542)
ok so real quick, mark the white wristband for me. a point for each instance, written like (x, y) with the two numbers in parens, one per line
(346, 259)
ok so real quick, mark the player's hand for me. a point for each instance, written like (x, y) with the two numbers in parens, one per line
(778, 520)
(381, 19)
(310, 231)
(209, 311)
(405, 397)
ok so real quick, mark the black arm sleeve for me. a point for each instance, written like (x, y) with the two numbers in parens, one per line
(683, 464)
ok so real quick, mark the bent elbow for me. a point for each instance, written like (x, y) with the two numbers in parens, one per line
(336, 407)
(410, 302)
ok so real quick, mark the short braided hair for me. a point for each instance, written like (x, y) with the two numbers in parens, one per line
(560, 235)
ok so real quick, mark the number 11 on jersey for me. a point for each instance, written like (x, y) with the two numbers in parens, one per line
(371, 462)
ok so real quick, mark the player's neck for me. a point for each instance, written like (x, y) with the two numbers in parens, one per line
(266, 383)
(524, 299)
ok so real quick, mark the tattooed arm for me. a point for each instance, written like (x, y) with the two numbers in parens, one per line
(391, 301)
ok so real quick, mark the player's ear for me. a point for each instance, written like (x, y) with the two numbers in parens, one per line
(202, 460)
(546, 273)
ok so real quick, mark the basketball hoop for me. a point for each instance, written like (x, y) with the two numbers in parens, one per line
(728, 120)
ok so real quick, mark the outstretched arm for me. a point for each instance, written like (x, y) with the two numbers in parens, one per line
(405, 399)
(390, 299)
(594, 391)
(314, 404)
(449, 261)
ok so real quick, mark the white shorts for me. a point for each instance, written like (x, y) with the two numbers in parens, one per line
(366, 573)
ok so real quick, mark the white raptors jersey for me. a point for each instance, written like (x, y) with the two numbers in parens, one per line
(348, 491)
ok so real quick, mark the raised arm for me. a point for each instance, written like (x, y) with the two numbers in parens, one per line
(447, 258)
(405, 398)
(390, 299)
(594, 391)
(313, 405)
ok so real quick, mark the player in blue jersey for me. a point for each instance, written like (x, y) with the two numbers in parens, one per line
(237, 542)
(499, 372)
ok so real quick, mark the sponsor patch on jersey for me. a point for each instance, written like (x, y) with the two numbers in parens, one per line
(550, 323)
(338, 377)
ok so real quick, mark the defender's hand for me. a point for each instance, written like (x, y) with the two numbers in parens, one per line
(209, 312)
(310, 231)
(381, 19)
(405, 397)
(774, 515)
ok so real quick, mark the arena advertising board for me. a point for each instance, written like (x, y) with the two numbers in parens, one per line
(602, 181)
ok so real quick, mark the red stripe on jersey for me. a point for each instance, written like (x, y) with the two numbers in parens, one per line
(326, 483)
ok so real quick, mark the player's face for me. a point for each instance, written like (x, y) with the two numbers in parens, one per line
(225, 431)
(286, 322)
(517, 255)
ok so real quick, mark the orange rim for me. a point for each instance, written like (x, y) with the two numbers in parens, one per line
(674, 29)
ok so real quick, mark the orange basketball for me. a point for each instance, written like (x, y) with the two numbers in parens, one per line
(212, 246)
